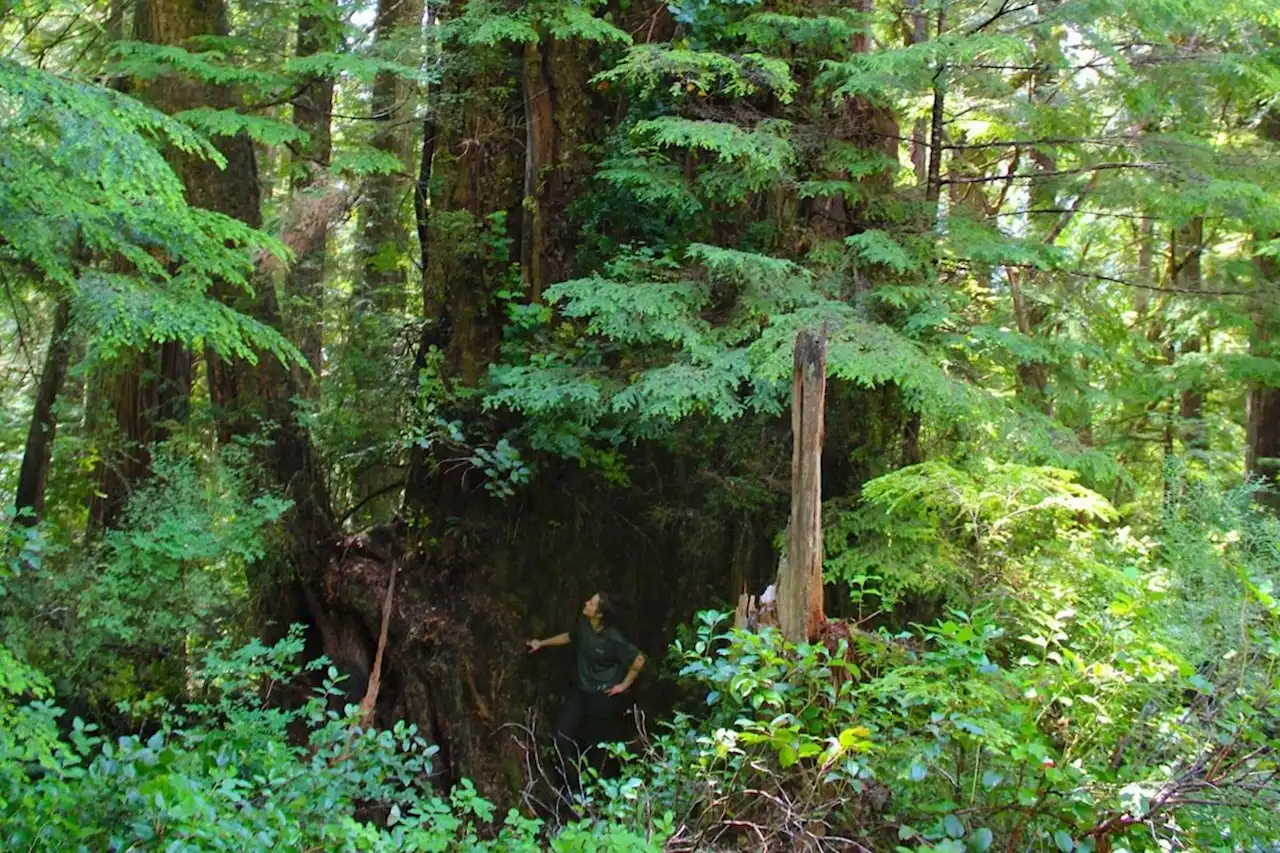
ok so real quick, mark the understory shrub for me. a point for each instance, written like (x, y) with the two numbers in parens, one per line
(1123, 699)
(229, 772)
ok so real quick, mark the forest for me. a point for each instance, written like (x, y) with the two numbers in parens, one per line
(346, 345)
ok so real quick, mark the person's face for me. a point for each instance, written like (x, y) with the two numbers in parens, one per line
(591, 608)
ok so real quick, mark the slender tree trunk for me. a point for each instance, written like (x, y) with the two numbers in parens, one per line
(1146, 256)
(937, 123)
(1262, 420)
(933, 178)
(1262, 416)
(919, 144)
(434, 323)
(40, 435)
(1033, 375)
(800, 612)
(1186, 248)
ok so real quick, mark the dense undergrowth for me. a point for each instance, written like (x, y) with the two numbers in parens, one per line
(1094, 685)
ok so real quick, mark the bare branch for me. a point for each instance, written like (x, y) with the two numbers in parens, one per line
(1097, 167)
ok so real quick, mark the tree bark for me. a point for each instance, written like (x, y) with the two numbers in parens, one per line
(1262, 419)
(540, 145)
(147, 389)
(245, 395)
(144, 393)
(1146, 256)
(311, 114)
(937, 121)
(919, 34)
(1186, 248)
(1262, 414)
(34, 473)
(1033, 375)
(800, 612)
(383, 242)
(477, 190)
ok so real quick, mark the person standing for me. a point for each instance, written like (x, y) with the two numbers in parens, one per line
(607, 665)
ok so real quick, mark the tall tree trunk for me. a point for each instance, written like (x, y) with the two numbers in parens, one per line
(557, 117)
(145, 393)
(246, 395)
(147, 390)
(855, 121)
(937, 125)
(383, 239)
(383, 252)
(1262, 417)
(40, 434)
(311, 114)
(1146, 257)
(919, 34)
(539, 122)
(1262, 420)
(477, 186)
(1033, 375)
(1186, 248)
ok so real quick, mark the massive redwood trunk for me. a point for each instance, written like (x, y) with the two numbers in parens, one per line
(143, 393)
(477, 189)
(147, 390)
(558, 119)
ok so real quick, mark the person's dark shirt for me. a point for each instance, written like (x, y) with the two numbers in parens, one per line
(603, 656)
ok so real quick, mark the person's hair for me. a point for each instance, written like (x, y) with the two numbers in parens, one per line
(605, 608)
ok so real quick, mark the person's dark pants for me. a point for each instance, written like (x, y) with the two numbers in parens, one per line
(586, 719)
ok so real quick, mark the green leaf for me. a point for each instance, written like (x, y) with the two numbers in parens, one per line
(980, 840)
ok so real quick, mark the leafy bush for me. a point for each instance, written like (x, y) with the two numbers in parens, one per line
(121, 615)
(229, 772)
(940, 529)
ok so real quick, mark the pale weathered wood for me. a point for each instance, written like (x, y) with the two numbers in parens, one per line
(800, 575)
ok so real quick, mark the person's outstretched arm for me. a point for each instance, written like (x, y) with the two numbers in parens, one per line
(557, 640)
(632, 674)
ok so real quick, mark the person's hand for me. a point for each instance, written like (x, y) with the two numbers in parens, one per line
(534, 645)
(618, 689)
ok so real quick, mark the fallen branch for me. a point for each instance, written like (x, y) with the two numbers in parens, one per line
(370, 699)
